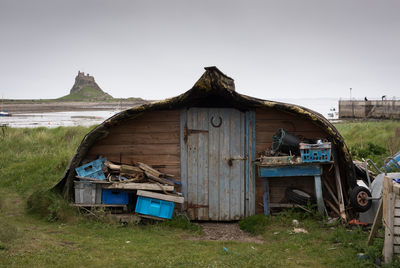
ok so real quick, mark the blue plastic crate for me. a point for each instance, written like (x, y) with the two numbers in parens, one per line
(154, 207)
(315, 152)
(92, 169)
(114, 197)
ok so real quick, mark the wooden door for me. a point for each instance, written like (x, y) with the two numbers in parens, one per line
(213, 163)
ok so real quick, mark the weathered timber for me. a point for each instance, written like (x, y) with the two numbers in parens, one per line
(172, 198)
(112, 166)
(339, 186)
(148, 169)
(130, 169)
(331, 193)
(157, 179)
(376, 224)
(332, 206)
(139, 186)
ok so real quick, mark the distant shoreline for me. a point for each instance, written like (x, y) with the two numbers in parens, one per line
(45, 106)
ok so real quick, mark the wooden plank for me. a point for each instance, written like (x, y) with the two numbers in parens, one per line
(397, 203)
(157, 179)
(273, 114)
(376, 224)
(147, 127)
(140, 149)
(291, 126)
(171, 198)
(236, 170)
(332, 206)
(396, 240)
(318, 194)
(213, 171)
(339, 186)
(159, 116)
(396, 230)
(148, 169)
(388, 243)
(266, 203)
(131, 158)
(224, 169)
(252, 156)
(139, 186)
(386, 189)
(396, 249)
(396, 221)
(193, 147)
(331, 193)
(290, 171)
(184, 155)
(140, 138)
(397, 212)
(202, 164)
(396, 188)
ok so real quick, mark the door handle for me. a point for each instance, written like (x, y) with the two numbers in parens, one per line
(230, 160)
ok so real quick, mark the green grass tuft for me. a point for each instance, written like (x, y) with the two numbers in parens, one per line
(181, 221)
(375, 140)
(35, 159)
(8, 233)
(51, 206)
(256, 224)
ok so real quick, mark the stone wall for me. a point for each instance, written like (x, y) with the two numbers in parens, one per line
(380, 109)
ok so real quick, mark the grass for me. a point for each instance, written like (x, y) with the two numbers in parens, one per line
(371, 139)
(86, 93)
(35, 159)
(47, 232)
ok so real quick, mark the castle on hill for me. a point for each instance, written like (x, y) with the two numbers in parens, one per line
(82, 81)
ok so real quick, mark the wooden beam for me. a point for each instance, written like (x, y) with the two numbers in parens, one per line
(148, 169)
(331, 193)
(139, 186)
(157, 179)
(376, 224)
(388, 209)
(389, 234)
(339, 186)
(332, 206)
(172, 198)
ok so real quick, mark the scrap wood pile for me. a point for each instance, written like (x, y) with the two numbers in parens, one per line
(138, 173)
(117, 182)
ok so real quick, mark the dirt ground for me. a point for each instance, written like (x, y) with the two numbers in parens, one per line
(226, 232)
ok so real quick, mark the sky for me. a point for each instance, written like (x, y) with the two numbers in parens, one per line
(157, 49)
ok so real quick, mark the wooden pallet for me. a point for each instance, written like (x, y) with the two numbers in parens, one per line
(391, 219)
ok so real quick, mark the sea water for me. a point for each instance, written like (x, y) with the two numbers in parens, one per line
(325, 106)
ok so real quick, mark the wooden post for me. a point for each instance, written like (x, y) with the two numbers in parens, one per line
(388, 199)
(339, 186)
(318, 193)
(376, 224)
(331, 193)
(265, 187)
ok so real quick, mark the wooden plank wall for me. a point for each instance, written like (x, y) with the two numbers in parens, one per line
(152, 138)
(268, 121)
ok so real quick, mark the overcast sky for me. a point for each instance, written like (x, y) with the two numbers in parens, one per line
(157, 49)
